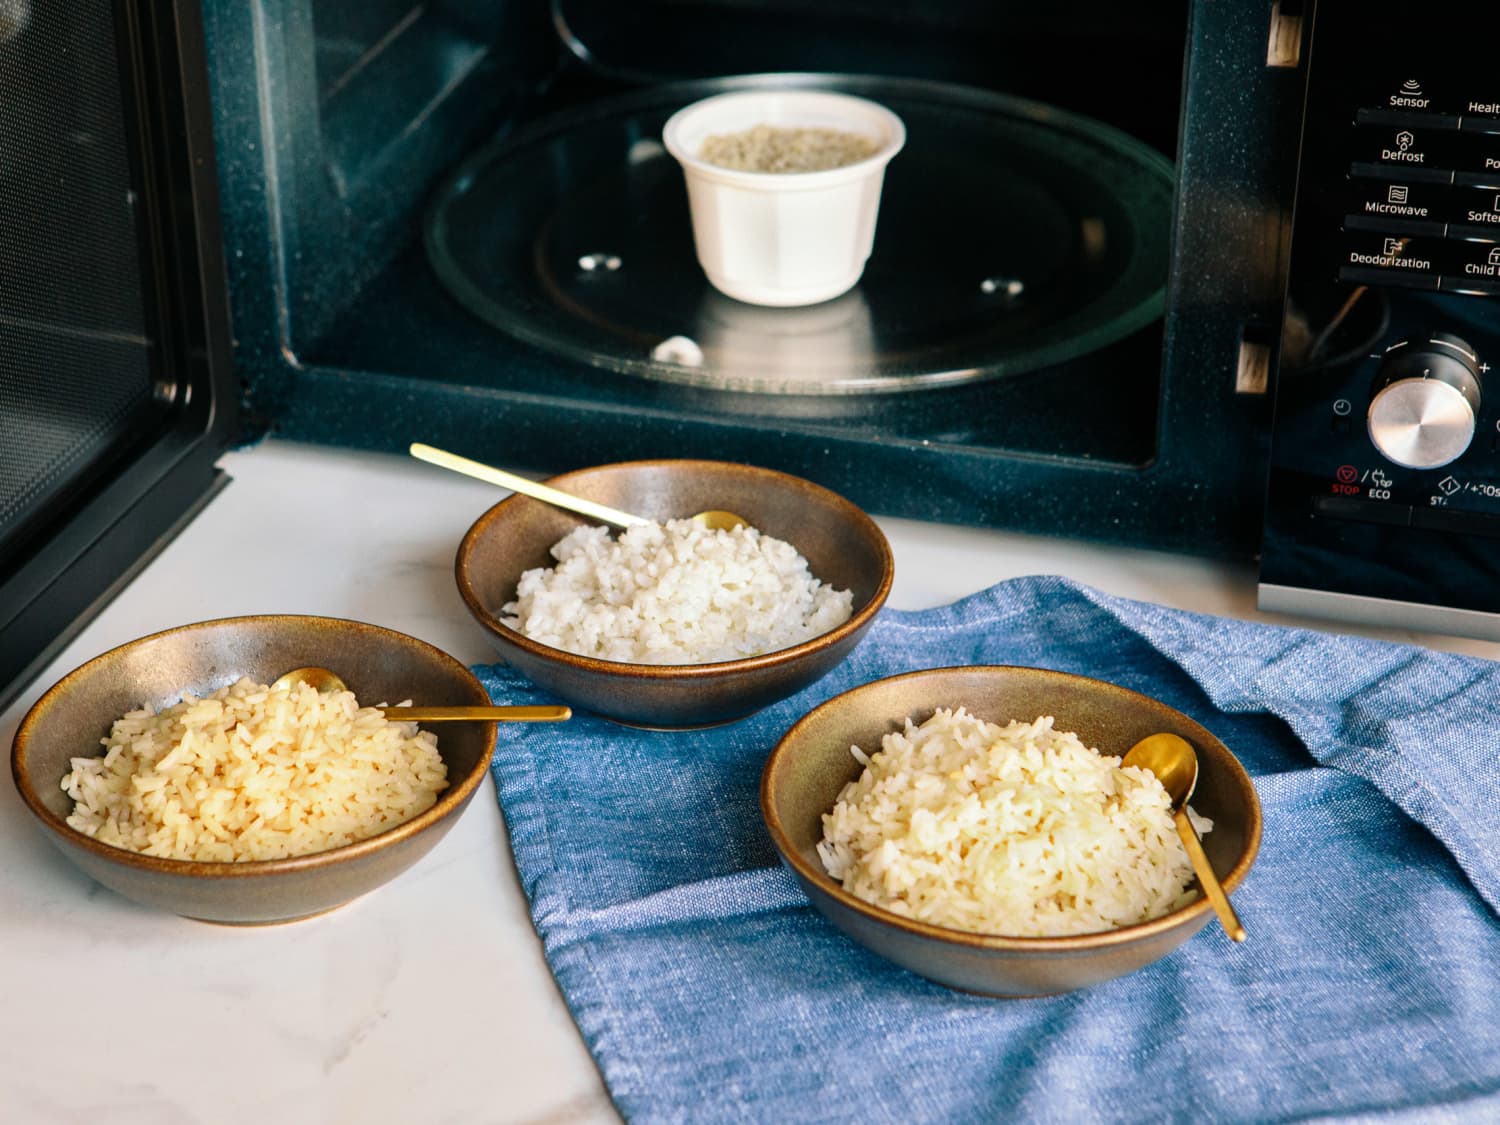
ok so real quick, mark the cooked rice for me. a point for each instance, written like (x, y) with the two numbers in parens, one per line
(778, 148)
(249, 773)
(674, 593)
(1019, 830)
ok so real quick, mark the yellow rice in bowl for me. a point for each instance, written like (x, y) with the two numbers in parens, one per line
(248, 773)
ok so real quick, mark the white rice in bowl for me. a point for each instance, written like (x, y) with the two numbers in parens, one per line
(1020, 830)
(674, 593)
(248, 773)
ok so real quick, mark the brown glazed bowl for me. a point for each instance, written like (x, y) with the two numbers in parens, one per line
(843, 546)
(811, 764)
(379, 665)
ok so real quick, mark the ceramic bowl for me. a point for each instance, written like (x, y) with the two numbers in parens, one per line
(812, 763)
(843, 546)
(379, 665)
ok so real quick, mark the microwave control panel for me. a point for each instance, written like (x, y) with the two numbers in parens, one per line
(1383, 498)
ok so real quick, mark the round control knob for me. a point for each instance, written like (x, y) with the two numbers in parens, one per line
(1426, 401)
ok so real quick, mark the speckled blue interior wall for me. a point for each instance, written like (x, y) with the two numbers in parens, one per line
(331, 122)
(1236, 170)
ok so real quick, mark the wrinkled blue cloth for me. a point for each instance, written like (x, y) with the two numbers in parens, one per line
(1369, 989)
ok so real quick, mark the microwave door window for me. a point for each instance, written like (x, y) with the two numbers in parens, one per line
(100, 331)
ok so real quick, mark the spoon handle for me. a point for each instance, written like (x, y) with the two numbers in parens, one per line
(1206, 877)
(444, 459)
(538, 713)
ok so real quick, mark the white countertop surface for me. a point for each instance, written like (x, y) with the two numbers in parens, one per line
(428, 1000)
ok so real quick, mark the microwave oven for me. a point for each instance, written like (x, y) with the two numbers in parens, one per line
(371, 222)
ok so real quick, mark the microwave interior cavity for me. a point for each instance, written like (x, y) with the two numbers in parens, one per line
(456, 223)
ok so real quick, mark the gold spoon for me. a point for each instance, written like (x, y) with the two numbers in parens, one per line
(714, 520)
(1175, 764)
(324, 681)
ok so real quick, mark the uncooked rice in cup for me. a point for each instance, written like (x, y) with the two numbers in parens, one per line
(779, 148)
(248, 773)
(674, 593)
(1020, 830)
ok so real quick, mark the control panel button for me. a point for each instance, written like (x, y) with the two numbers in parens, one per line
(1420, 96)
(1409, 146)
(1479, 114)
(1456, 521)
(1362, 511)
(1371, 170)
(1364, 275)
(1480, 123)
(1408, 118)
(1476, 208)
(1397, 198)
(1475, 179)
(1392, 252)
(1472, 259)
(1469, 287)
(1453, 520)
(1474, 153)
(1423, 227)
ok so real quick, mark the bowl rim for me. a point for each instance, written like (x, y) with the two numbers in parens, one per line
(449, 801)
(857, 621)
(1194, 913)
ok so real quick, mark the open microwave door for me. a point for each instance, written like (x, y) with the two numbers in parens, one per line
(116, 397)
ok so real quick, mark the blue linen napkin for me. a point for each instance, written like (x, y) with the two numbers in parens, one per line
(709, 990)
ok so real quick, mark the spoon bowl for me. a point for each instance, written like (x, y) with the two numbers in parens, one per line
(1175, 763)
(715, 519)
(197, 659)
(807, 770)
(325, 681)
(843, 547)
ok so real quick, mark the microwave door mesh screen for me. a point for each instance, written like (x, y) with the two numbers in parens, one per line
(75, 377)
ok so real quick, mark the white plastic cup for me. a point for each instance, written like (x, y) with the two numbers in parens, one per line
(783, 238)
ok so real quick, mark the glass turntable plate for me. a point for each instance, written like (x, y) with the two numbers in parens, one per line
(1012, 236)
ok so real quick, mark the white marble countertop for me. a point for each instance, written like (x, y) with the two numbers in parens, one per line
(429, 1000)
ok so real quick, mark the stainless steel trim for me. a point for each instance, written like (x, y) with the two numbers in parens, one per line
(1357, 609)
